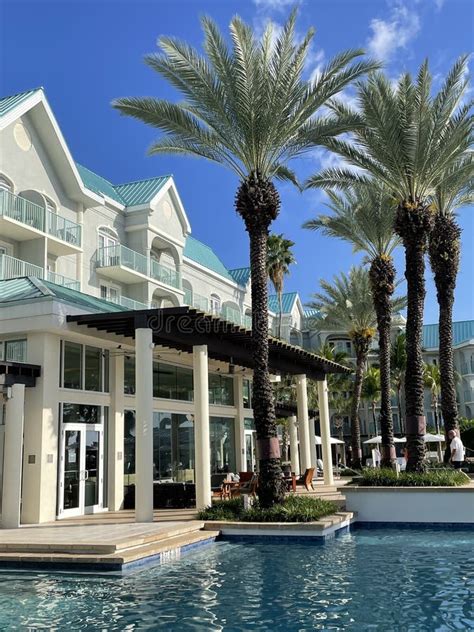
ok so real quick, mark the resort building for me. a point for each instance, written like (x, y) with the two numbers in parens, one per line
(112, 315)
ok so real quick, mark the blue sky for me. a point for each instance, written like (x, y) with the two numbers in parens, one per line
(87, 53)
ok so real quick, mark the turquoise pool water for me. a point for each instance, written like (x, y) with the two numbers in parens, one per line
(375, 579)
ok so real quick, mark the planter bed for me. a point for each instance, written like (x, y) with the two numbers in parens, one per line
(320, 529)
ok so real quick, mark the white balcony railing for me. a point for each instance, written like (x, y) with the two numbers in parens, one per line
(130, 303)
(31, 214)
(12, 268)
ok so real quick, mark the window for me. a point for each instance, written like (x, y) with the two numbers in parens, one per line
(215, 304)
(110, 292)
(5, 184)
(172, 382)
(247, 394)
(222, 437)
(85, 367)
(13, 350)
(129, 375)
(221, 390)
(81, 413)
(107, 237)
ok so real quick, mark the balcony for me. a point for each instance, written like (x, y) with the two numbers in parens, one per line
(165, 275)
(467, 368)
(12, 268)
(469, 396)
(231, 314)
(129, 303)
(22, 220)
(196, 300)
(122, 264)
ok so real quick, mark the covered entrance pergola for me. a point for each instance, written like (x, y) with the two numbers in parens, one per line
(205, 336)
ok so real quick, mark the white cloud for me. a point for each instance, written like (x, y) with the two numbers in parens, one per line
(396, 32)
(439, 4)
(273, 5)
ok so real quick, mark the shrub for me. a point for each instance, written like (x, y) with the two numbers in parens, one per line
(441, 477)
(293, 509)
(348, 472)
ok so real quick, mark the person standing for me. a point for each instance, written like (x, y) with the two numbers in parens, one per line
(457, 449)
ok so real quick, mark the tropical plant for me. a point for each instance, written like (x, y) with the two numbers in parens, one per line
(409, 142)
(398, 365)
(346, 305)
(248, 107)
(371, 392)
(364, 217)
(279, 259)
(457, 190)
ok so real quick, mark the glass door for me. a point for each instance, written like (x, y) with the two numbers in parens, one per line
(250, 451)
(81, 470)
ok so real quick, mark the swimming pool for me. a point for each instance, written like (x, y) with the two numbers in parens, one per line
(370, 579)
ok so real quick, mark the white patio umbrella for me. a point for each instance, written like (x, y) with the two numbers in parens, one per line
(333, 440)
(433, 438)
(378, 439)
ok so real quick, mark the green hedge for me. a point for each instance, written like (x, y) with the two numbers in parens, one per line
(293, 509)
(441, 477)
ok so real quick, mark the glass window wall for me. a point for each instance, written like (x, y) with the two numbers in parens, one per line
(247, 388)
(72, 372)
(221, 390)
(81, 413)
(222, 437)
(84, 367)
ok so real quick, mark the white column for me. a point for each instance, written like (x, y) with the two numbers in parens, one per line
(144, 425)
(312, 442)
(201, 426)
(80, 255)
(116, 434)
(303, 421)
(12, 462)
(295, 457)
(325, 431)
(240, 423)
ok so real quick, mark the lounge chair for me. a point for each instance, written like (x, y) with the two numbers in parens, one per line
(248, 487)
(307, 479)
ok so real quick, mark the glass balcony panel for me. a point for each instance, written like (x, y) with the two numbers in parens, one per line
(132, 304)
(21, 210)
(119, 255)
(64, 229)
(469, 395)
(231, 314)
(164, 274)
(65, 281)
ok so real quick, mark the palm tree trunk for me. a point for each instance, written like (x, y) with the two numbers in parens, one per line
(362, 348)
(280, 303)
(258, 202)
(382, 280)
(374, 419)
(413, 223)
(399, 405)
(444, 257)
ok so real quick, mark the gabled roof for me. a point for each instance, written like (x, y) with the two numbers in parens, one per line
(141, 191)
(128, 193)
(288, 301)
(311, 312)
(240, 275)
(31, 289)
(205, 256)
(8, 103)
(463, 331)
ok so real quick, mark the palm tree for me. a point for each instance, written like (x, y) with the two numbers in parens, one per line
(410, 140)
(364, 217)
(279, 259)
(346, 305)
(398, 364)
(371, 392)
(432, 379)
(247, 107)
(456, 191)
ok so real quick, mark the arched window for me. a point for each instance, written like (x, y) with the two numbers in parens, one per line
(107, 237)
(188, 292)
(215, 304)
(5, 184)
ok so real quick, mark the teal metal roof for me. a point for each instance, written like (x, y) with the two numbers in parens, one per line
(8, 103)
(311, 312)
(240, 275)
(97, 183)
(463, 331)
(30, 289)
(288, 300)
(205, 256)
(140, 192)
(128, 194)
